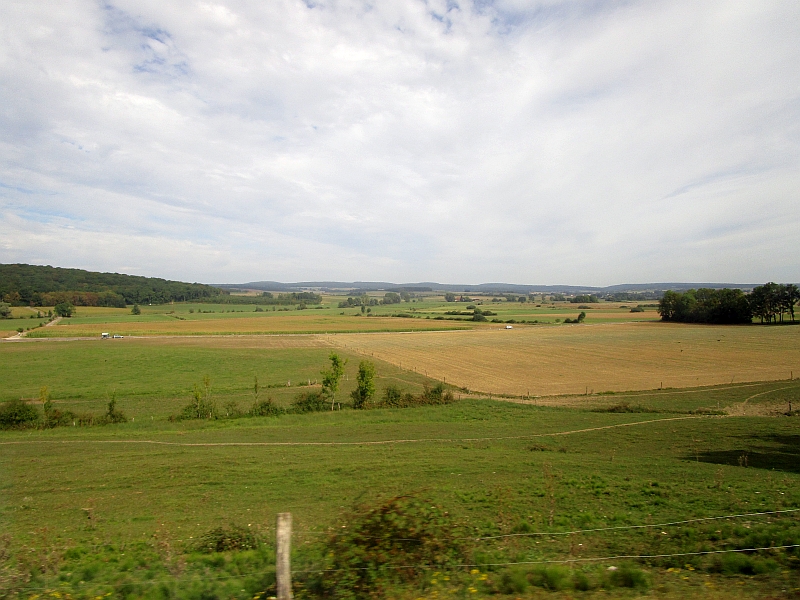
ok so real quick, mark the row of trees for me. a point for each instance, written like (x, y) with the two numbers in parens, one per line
(364, 300)
(769, 302)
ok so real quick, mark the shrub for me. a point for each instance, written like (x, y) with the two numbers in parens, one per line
(362, 557)
(201, 406)
(225, 539)
(394, 397)
(265, 408)
(136, 310)
(309, 402)
(18, 414)
(112, 414)
(637, 309)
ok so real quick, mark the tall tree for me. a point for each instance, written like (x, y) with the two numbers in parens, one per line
(332, 377)
(365, 385)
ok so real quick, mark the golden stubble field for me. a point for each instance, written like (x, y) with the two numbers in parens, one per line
(551, 360)
(245, 326)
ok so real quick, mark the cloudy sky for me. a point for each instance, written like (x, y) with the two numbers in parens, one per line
(460, 141)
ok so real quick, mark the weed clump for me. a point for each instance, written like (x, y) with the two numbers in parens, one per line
(226, 539)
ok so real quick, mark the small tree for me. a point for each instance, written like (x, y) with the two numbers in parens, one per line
(136, 310)
(331, 377)
(365, 386)
(64, 309)
(450, 297)
(5, 310)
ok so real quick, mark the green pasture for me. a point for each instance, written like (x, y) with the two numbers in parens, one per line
(152, 379)
(496, 468)
(117, 509)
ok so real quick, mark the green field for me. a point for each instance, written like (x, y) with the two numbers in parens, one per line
(117, 509)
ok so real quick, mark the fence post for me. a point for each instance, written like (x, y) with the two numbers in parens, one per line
(283, 568)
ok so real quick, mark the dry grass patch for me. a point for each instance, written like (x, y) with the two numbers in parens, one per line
(605, 357)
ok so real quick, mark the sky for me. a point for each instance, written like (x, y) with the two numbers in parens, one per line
(533, 142)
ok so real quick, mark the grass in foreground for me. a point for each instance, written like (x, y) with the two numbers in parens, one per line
(101, 510)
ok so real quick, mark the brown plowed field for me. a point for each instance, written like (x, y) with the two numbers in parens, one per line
(544, 360)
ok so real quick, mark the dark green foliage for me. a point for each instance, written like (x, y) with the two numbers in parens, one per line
(394, 397)
(18, 414)
(31, 285)
(637, 309)
(365, 385)
(312, 401)
(579, 318)
(63, 309)
(226, 539)
(722, 307)
(769, 302)
(136, 310)
(5, 310)
(265, 408)
(362, 557)
(590, 298)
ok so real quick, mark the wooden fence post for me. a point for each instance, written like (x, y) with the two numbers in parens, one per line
(283, 567)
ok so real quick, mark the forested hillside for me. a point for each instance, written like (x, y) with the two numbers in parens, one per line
(35, 285)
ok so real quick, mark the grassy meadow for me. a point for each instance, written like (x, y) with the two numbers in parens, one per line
(117, 510)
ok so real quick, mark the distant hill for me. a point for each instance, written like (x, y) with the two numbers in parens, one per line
(486, 288)
(46, 286)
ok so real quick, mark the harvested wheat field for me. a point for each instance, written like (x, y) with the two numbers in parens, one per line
(550, 360)
(242, 326)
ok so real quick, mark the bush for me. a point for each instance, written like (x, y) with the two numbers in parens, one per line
(18, 414)
(265, 408)
(309, 402)
(394, 397)
(637, 309)
(201, 406)
(225, 539)
(112, 414)
(136, 310)
(361, 558)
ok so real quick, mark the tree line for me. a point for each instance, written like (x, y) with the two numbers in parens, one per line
(33, 285)
(769, 303)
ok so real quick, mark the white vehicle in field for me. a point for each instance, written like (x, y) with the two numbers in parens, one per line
(509, 327)
(104, 336)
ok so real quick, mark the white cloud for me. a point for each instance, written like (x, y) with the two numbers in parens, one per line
(533, 142)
